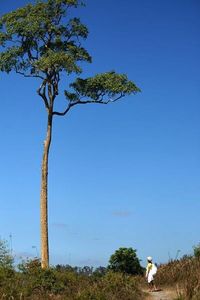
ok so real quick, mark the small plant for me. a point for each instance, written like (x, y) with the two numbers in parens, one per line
(197, 251)
(6, 260)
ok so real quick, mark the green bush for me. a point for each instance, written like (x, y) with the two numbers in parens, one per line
(29, 281)
(6, 260)
(125, 260)
(197, 251)
(112, 286)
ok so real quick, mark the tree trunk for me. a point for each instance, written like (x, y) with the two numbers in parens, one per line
(44, 197)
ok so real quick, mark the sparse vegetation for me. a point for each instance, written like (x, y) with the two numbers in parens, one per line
(197, 251)
(63, 282)
(29, 281)
(183, 275)
(33, 282)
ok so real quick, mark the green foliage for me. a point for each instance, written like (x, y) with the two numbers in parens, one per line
(125, 260)
(197, 251)
(6, 260)
(40, 40)
(115, 286)
(109, 84)
(8, 278)
(64, 282)
(38, 280)
(30, 281)
(100, 271)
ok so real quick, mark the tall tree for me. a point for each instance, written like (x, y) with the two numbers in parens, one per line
(41, 41)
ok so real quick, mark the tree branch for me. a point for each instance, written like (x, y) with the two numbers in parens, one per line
(71, 104)
(28, 75)
(43, 94)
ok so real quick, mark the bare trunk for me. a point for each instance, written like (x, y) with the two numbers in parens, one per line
(44, 197)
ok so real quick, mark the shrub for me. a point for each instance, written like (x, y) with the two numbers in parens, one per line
(125, 260)
(31, 282)
(197, 251)
(112, 286)
(6, 260)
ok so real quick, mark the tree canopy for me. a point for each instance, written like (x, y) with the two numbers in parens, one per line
(125, 260)
(39, 40)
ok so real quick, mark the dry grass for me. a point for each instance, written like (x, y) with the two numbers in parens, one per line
(55, 285)
(184, 275)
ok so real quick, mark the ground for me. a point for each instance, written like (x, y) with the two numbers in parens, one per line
(164, 294)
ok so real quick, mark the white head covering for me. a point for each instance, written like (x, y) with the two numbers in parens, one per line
(149, 258)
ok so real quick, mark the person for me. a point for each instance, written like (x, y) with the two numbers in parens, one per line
(151, 271)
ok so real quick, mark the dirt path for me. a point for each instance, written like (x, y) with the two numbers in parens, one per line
(162, 295)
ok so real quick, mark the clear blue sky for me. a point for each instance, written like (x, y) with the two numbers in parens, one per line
(122, 175)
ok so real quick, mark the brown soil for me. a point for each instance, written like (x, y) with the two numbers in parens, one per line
(164, 294)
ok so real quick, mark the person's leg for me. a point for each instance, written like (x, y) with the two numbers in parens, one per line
(154, 286)
(151, 286)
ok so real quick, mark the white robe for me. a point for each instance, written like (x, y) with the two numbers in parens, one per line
(150, 274)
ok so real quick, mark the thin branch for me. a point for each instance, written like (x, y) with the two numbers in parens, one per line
(70, 105)
(65, 111)
(28, 75)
